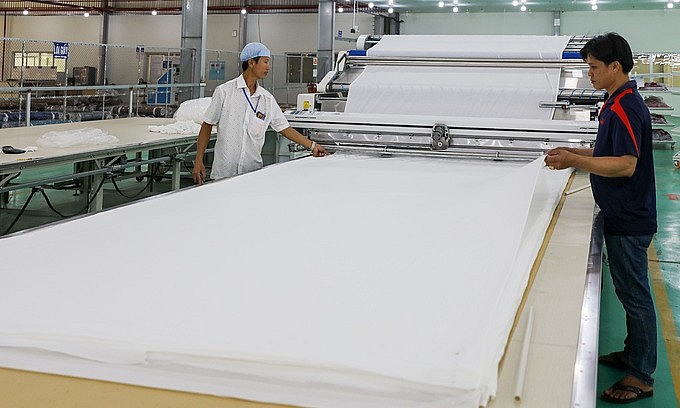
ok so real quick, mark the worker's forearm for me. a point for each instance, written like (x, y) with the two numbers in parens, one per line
(615, 166)
(295, 136)
(203, 140)
(581, 151)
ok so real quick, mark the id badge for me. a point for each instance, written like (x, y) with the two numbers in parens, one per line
(260, 115)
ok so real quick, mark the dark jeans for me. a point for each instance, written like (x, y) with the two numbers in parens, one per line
(628, 267)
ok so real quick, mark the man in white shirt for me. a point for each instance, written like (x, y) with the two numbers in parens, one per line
(243, 111)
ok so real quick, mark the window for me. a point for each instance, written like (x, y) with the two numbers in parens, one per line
(34, 59)
(300, 68)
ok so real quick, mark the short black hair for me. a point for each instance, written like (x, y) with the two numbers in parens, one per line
(608, 48)
(244, 64)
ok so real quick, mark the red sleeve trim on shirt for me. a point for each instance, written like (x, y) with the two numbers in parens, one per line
(618, 109)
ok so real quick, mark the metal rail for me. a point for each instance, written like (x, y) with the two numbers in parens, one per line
(584, 391)
(462, 62)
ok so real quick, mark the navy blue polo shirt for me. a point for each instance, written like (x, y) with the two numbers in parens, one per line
(628, 204)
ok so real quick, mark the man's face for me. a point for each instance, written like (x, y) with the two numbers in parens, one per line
(259, 68)
(602, 76)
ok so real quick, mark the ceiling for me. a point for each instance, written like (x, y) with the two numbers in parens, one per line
(42, 7)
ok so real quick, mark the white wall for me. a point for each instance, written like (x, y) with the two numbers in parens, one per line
(646, 30)
(299, 32)
(56, 28)
(477, 23)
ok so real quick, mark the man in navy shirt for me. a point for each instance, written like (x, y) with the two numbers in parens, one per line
(622, 177)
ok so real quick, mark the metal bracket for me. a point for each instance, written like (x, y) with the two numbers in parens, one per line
(557, 104)
(440, 137)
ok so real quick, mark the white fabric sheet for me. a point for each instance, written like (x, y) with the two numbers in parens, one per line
(388, 282)
(454, 91)
(535, 47)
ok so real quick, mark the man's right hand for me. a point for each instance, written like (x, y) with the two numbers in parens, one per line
(198, 172)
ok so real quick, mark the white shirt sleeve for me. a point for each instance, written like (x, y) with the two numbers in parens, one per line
(278, 122)
(214, 111)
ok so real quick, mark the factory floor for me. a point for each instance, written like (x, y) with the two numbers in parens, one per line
(664, 267)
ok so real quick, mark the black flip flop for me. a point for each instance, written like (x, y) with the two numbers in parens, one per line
(617, 359)
(12, 150)
(639, 394)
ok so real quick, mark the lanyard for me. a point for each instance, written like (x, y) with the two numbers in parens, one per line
(250, 103)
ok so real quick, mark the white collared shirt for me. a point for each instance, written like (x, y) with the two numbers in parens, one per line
(240, 133)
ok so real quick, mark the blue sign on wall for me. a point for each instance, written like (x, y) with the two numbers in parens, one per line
(60, 50)
(217, 71)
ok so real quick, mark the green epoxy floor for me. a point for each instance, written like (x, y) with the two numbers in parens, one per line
(612, 317)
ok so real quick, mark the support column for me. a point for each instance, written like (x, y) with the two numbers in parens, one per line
(394, 24)
(103, 39)
(326, 31)
(192, 55)
(557, 22)
(243, 38)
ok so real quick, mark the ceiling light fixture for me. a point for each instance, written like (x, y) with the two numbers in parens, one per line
(523, 8)
(593, 2)
(341, 9)
(455, 2)
(455, 9)
(594, 7)
(390, 3)
(371, 5)
(515, 3)
(86, 14)
(441, 4)
(669, 5)
(25, 12)
(390, 10)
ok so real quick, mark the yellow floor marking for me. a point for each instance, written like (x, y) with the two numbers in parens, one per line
(668, 328)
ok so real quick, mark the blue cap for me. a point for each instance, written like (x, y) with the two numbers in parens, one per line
(254, 49)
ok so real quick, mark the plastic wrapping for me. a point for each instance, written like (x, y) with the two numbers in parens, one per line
(193, 110)
(76, 137)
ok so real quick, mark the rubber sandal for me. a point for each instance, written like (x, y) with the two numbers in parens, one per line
(12, 150)
(616, 359)
(639, 394)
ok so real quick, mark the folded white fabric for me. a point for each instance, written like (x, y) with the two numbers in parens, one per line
(343, 281)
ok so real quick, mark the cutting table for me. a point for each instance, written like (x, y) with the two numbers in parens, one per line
(91, 163)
